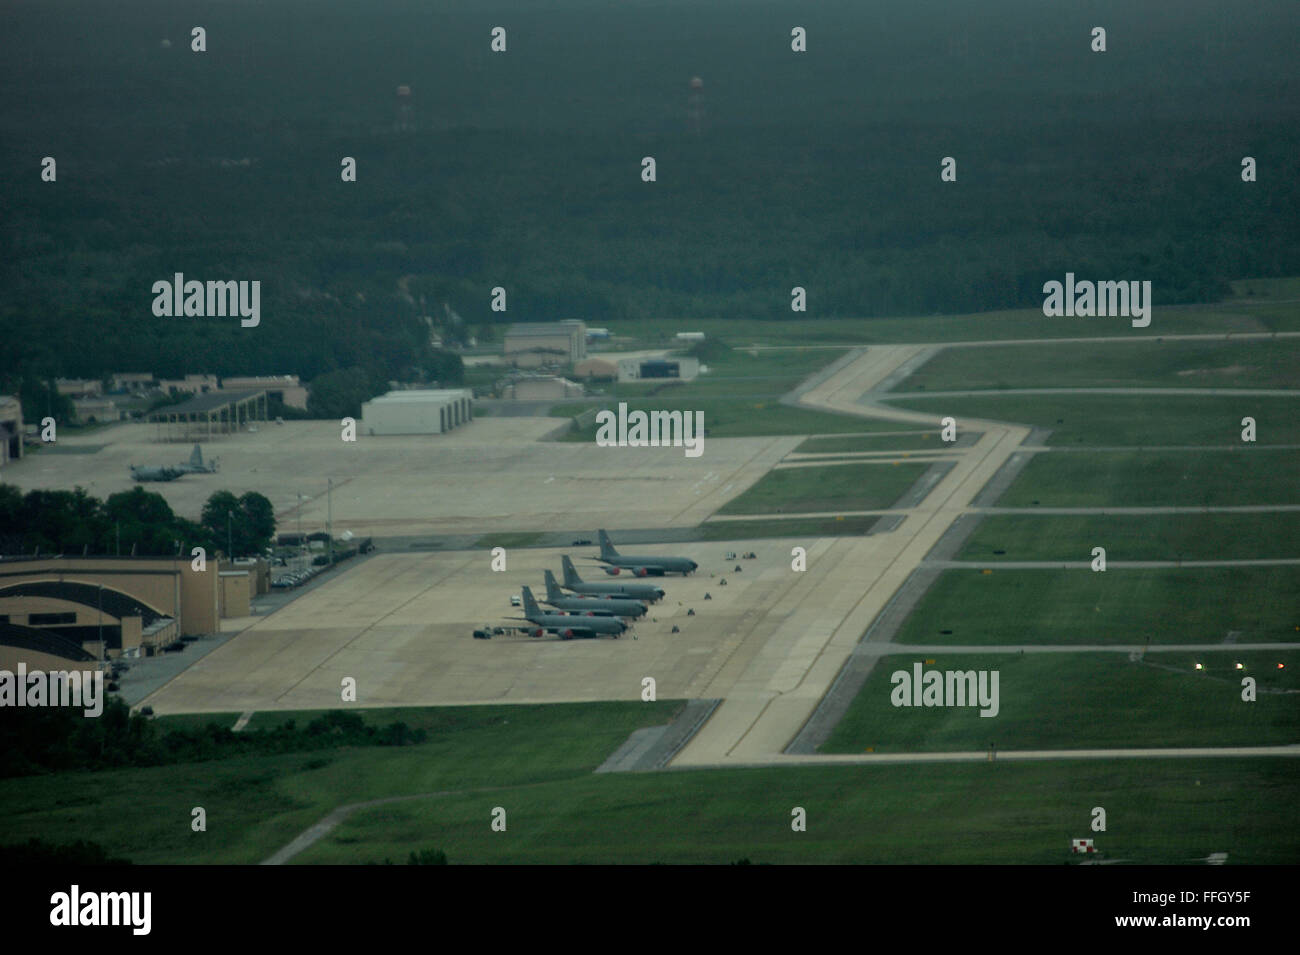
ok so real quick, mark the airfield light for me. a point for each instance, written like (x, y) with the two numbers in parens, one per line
(1200, 666)
(1241, 666)
(1281, 666)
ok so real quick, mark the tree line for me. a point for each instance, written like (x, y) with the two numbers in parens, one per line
(135, 522)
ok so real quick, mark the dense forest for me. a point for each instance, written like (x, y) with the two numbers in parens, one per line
(522, 169)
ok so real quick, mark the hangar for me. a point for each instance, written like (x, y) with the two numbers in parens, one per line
(203, 416)
(533, 344)
(114, 606)
(417, 411)
(637, 369)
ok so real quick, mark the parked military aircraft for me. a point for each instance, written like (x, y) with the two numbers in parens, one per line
(608, 588)
(155, 474)
(576, 603)
(567, 626)
(641, 566)
(195, 464)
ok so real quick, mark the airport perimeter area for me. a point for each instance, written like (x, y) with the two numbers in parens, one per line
(779, 666)
(768, 642)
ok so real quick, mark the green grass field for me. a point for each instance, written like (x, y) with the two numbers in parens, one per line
(1003, 537)
(1244, 314)
(1083, 701)
(1173, 605)
(1156, 479)
(842, 487)
(873, 442)
(795, 527)
(256, 804)
(536, 762)
(1129, 420)
(1164, 811)
(1258, 363)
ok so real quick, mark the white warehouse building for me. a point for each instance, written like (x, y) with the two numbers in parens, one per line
(417, 412)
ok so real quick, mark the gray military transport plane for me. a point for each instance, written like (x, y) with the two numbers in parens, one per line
(641, 566)
(576, 603)
(155, 474)
(610, 588)
(195, 464)
(568, 626)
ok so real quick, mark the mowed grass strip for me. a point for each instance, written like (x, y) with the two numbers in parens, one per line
(1116, 607)
(1257, 363)
(844, 487)
(796, 527)
(257, 804)
(1218, 319)
(1156, 479)
(1080, 701)
(1002, 537)
(1129, 420)
(1174, 811)
(875, 442)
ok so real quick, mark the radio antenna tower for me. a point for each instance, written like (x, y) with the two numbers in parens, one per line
(695, 106)
(404, 108)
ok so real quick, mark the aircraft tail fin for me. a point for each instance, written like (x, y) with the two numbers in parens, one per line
(552, 588)
(606, 546)
(571, 578)
(530, 605)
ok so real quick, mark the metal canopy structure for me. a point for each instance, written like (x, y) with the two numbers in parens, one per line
(203, 416)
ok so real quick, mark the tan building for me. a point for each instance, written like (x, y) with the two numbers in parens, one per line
(193, 384)
(11, 429)
(545, 388)
(285, 388)
(79, 387)
(531, 345)
(132, 381)
(68, 607)
(90, 410)
(235, 596)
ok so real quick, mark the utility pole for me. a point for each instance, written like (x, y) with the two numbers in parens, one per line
(230, 537)
(329, 515)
